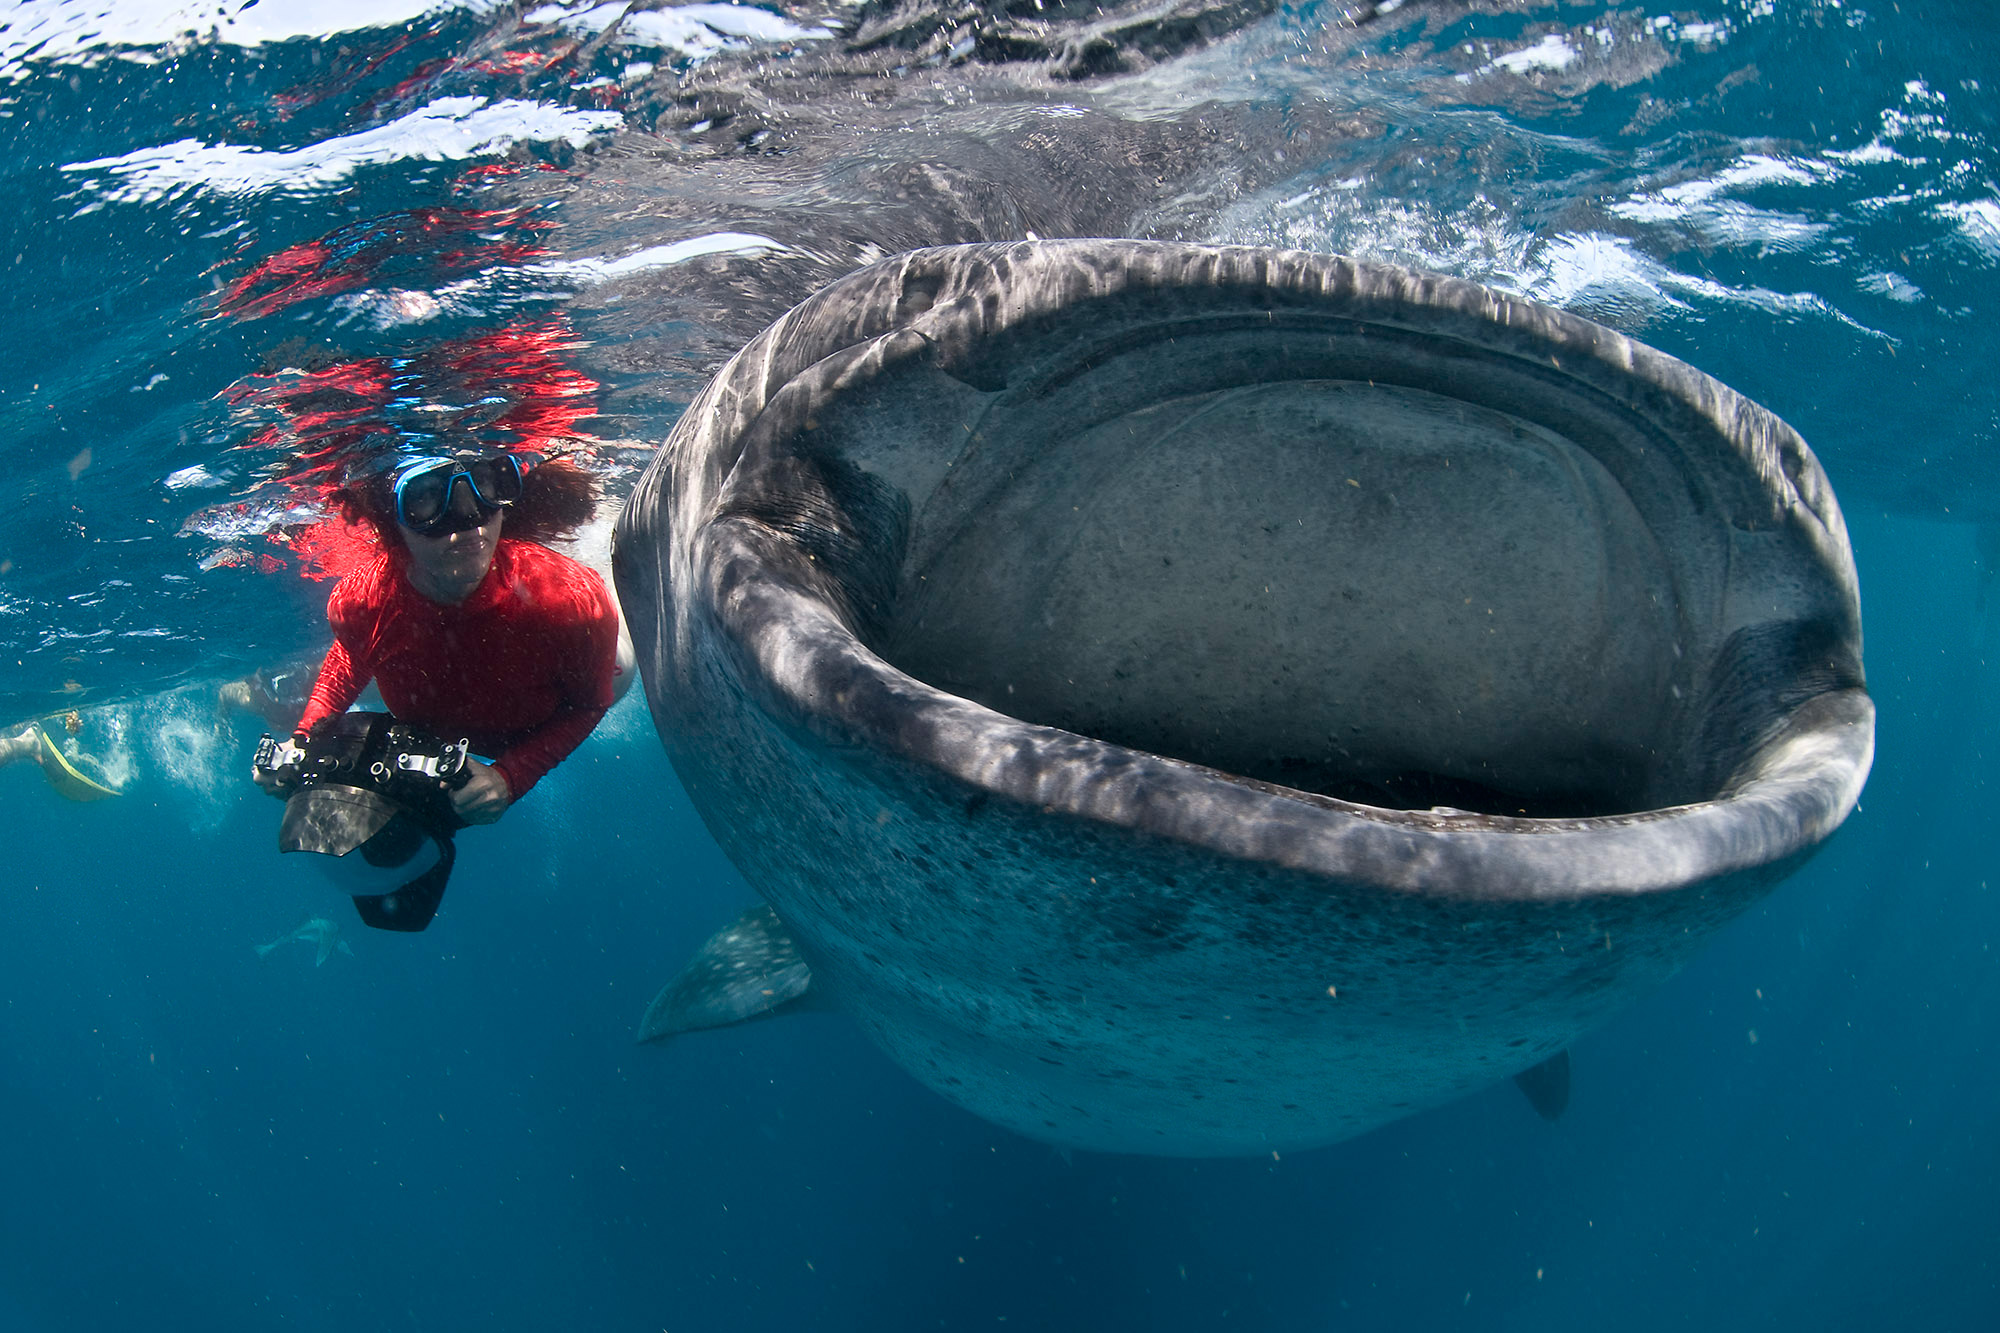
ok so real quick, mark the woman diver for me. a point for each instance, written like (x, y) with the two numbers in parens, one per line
(467, 631)
(471, 628)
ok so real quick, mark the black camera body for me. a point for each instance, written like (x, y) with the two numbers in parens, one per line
(374, 751)
(375, 794)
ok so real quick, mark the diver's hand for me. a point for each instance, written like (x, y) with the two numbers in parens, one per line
(485, 795)
(275, 783)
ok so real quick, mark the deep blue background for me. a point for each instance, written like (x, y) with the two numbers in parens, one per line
(453, 1130)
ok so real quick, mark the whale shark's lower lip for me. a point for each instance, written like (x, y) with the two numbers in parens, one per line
(1106, 655)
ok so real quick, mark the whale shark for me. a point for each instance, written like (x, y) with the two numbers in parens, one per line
(1204, 700)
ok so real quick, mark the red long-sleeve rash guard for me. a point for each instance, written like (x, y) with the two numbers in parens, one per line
(522, 667)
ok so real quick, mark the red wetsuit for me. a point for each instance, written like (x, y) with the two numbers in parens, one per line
(522, 667)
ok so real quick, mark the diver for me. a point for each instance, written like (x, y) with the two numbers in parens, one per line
(471, 627)
(277, 695)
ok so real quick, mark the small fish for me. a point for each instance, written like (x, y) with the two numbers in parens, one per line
(318, 931)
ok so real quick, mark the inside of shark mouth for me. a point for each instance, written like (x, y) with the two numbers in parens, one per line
(1386, 568)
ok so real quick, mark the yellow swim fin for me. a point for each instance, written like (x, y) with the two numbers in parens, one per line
(65, 776)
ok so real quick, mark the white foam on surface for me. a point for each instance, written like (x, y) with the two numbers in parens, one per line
(68, 30)
(246, 520)
(1704, 204)
(698, 30)
(195, 477)
(1872, 153)
(395, 307)
(1553, 52)
(1592, 271)
(507, 285)
(449, 129)
(1892, 285)
(1978, 223)
(593, 271)
(1607, 277)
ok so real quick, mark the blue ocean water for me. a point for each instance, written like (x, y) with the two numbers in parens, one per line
(251, 244)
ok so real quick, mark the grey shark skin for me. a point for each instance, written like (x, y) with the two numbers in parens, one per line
(323, 935)
(748, 970)
(1202, 701)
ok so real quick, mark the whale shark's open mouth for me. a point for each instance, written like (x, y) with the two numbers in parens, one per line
(1372, 561)
(1374, 592)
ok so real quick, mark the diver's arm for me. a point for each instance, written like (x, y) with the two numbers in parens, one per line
(340, 683)
(584, 671)
(543, 748)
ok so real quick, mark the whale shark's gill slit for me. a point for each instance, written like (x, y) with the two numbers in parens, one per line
(1760, 676)
(853, 526)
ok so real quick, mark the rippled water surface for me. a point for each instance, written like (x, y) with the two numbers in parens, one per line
(253, 248)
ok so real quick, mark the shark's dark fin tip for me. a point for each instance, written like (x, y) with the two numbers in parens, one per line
(1546, 1086)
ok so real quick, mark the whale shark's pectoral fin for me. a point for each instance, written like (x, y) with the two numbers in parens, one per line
(749, 969)
(1546, 1086)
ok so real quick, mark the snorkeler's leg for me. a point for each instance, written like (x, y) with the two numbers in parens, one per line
(27, 745)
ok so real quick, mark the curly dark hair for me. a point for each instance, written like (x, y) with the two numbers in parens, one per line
(558, 496)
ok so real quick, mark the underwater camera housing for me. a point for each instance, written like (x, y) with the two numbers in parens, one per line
(373, 796)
